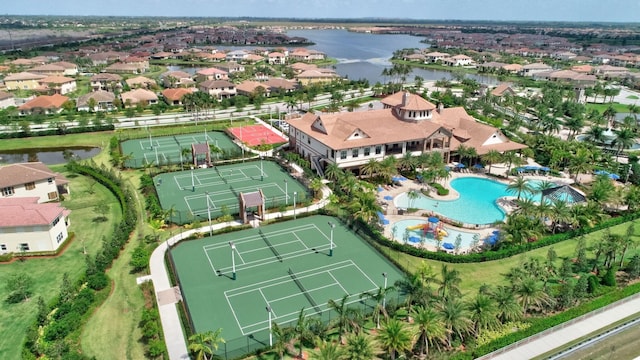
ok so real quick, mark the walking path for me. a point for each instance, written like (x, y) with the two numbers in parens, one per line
(167, 296)
(562, 334)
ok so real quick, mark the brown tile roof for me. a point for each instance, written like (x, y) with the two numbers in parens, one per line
(98, 96)
(249, 86)
(413, 102)
(23, 76)
(17, 211)
(106, 77)
(138, 95)
(22, 173)
(376, 127)
(281, 83)
(45, 102)
(176, 94)
(501, 89)
(5, 95)
(216, 84)
(56, 80)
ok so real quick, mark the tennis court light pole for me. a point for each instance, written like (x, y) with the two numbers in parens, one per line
(157, 161)
(294, 204)
(261, 171)
(209, 213)
(193, 184)
(270, 333)
(233, 259)
(384, 298)
(331, 238)
(286, 192)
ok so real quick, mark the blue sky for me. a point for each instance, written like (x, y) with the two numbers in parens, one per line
(521, 10)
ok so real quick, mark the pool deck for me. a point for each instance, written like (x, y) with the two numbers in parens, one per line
(407, 185)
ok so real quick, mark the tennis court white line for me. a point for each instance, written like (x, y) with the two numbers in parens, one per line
(234, 316)
(309, 291)
(300, 240)
(258, 237)
(211, 263)
(375, 286)
(267, 302)
(265, 261)
(240, 256)
(267, 247)
(338, 282)
(275, 281)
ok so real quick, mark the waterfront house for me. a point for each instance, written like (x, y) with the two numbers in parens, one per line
(32, 180)
(219, 89)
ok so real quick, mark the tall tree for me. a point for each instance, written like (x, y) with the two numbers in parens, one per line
(395, 338)
(520, 185)
(360, 347)
(431, 328)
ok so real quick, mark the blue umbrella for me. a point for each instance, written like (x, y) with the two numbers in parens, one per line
(614, 176)
(460, 166)
(448, 168)
(448, 246)
(388, 197)
(491, 240)
(544, 168)
(601, 172)
(478, 166)
(414, 239)
(380, 189)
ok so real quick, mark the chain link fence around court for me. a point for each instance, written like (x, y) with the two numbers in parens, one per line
(241, 347)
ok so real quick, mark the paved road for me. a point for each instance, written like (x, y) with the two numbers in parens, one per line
(562, 334)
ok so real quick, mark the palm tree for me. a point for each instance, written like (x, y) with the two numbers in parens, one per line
(412, 288)
(507, 304)
(395, 337)
(542, 186)
(379, 297)
(581, 163)
(483, 312)
(449, 282)
(203, 344)
(364, 206)
(596, 134)
(316, 186)
(333, 172)
(412, 195)
(512, 158)
(526, 207)
(371, 168)
(492, 157)
(302, 330)
(560, 214)
(465, 152)
(530, 292)
(430, 326)
(520, 185)
(407, 162)
(340, 308)
(283, 337)
(455, 317)
(520, 229)
(327, 350)
(625, 138)
(359, 347)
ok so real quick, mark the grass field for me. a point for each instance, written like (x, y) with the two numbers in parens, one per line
(474, 275)
(168, 149)
(47, 272)
(263, 259)
(619, 108)
(204, 193)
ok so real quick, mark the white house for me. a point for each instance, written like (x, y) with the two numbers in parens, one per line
(407, 124)
(535, 68)
(29, 226)
(33, 179)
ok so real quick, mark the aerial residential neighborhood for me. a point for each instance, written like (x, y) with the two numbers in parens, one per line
(319, 181)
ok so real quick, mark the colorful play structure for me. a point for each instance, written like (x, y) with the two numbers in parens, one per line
(432, 226)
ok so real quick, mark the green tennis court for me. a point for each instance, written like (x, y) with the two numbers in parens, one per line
(202, 193)
(284, 266)
(163, 150)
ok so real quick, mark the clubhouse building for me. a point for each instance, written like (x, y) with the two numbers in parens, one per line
(407, 124)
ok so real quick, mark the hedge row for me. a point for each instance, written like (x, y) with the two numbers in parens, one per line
(49, 132)
(502, 253)
(541, 324)
(70, 310)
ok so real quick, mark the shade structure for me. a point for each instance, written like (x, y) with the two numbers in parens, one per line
(491, 240)
(448, 168)
(379, 188)
(495, 232)
(478, 166)
(382, 218)
(601, 172)
(433, 219)
(414, 239)
(544, 168)
(614, 176)
(460, 166)
(388, 197)
(448, 246)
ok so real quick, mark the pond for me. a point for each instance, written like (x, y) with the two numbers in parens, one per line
(49, 156)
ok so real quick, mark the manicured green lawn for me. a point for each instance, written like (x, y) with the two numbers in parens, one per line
(632, 97)
(47, 273)
(621, 108)
(474, 275)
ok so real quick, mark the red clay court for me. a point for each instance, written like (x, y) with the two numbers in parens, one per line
(256, 134)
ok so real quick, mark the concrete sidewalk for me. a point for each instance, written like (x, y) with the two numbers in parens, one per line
(562, 334)
(167, 297)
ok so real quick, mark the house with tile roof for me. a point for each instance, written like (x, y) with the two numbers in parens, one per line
(141, 82)
(58, 84)
(136, 96)
(44, 104)
(219, 89)
(248, 88)
(29, 226)
(103, 101)
(6, 100)
(277, 58)
(48, 70)
(22, 81)
(211, 74)
(407, 124)
(106, 81)
(317, 76)
(532, 69)
(33, 179)
(174, 96)
(176, 79)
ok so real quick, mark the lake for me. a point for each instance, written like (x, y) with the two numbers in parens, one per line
(362, 55)
(49, 156)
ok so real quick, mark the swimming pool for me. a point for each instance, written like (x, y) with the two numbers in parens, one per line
(476, 204)
(416, 236)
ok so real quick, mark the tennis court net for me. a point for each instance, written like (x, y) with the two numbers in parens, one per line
(176, 139)
(304, 291)
(273, 249)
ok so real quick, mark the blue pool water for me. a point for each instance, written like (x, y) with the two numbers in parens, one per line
(476, 204)
(415, 236)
